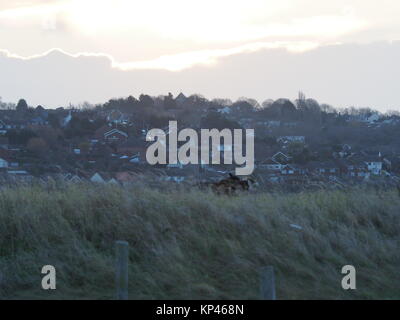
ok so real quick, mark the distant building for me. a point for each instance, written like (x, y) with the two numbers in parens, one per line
(66, 120)
(225, 110)
(107, 134)
(281, 157)
(3, 163)
(115, 135)
(288, 139)
(272, 165)
(374, 165)
(117, 117)
(180, 99)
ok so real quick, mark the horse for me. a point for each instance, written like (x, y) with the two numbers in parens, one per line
(233, 185)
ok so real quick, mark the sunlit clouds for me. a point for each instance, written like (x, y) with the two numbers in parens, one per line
(186, 60)
(178, 34)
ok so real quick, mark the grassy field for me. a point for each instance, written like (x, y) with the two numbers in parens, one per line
(190, 244)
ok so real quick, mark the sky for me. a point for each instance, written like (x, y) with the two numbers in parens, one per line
(342, 52)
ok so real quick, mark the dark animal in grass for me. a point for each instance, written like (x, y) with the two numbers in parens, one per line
(231, 185)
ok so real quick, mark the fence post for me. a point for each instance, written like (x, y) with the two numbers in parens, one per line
(268, 283)
(121, 273)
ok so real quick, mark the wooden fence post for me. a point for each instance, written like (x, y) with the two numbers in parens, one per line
(121, 273)
(268, 283)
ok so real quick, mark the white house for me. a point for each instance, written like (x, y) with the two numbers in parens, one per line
(374, 166)
(3, 163)
(97, 178)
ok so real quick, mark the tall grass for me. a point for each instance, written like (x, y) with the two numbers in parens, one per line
(190, 244)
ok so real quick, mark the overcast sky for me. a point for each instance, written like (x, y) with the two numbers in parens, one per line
(342, 52)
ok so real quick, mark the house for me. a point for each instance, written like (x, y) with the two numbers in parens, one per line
(372, 118)
(281, 157)
(38, 121)
(358, 171)
(225, 110)
(21, 175)
(289, 139)
(3, 163)
(134, 149)
(109, 134)
(343, 152)
(328, 168)
(72, 178)
(112, 181)
(75, 179)
(354, 168)
(374, 165)
(117, 117)
(135, 159)
(177, 179)
(369, 118)
(13, 124)
(180, 99)
(288, 170)
(290, 124)
(391, 163)
(274, 178)
(115, 135)
(272, 123)
(272, 165)
(175, 165)
(103, 178)
(97, 178)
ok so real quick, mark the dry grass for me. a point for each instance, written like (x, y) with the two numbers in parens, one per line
(188, 244)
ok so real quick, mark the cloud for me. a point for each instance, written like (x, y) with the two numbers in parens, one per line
(148, 30)
(342, 75)
(9, 5)
(187, 60)
(176, 62)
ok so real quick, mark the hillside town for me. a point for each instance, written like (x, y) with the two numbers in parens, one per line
(296, 142)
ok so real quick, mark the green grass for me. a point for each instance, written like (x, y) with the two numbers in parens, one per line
(190, 244)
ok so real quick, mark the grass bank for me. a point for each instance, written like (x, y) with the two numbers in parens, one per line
(190, 244)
